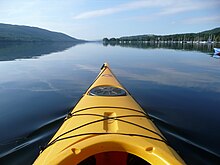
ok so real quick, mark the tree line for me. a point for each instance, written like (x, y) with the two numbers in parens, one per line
(205, 36)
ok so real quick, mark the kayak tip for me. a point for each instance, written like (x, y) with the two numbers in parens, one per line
(105, 65)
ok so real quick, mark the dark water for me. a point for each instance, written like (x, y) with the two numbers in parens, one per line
(178, 87)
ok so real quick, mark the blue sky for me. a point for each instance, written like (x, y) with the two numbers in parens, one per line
(95, 19)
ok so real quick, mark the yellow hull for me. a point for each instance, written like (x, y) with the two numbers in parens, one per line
(107, 125)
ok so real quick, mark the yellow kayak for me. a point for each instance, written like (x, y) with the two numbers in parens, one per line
(107, 126)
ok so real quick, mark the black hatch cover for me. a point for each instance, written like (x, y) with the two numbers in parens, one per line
(107, 91)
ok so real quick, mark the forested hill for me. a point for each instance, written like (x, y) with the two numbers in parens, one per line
(31, 34)
(205, 36)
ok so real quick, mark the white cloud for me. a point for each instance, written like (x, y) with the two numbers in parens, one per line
(203, 20)
(162, 7)
(124, 7)
(177, 9)
(186, 6)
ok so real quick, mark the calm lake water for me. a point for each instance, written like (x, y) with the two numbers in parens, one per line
(178, 85)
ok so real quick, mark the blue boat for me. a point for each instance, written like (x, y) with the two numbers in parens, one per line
(217, 51)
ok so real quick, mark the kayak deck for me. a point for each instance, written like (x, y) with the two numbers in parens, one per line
(108, 126)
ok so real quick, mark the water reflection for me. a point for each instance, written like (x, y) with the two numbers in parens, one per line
(216, 56)
(178, 88)
(20, 50)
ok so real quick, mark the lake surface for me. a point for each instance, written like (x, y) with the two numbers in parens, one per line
(178, 85)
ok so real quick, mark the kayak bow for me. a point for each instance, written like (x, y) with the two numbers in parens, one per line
(107, 126)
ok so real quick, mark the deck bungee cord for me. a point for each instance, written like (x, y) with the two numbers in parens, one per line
(106, 133)
(106, 118)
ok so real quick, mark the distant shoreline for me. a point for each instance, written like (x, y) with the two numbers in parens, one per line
(209, 36)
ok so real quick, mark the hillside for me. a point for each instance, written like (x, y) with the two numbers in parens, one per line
(213, 31)
(31, 34)
(205, 36)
